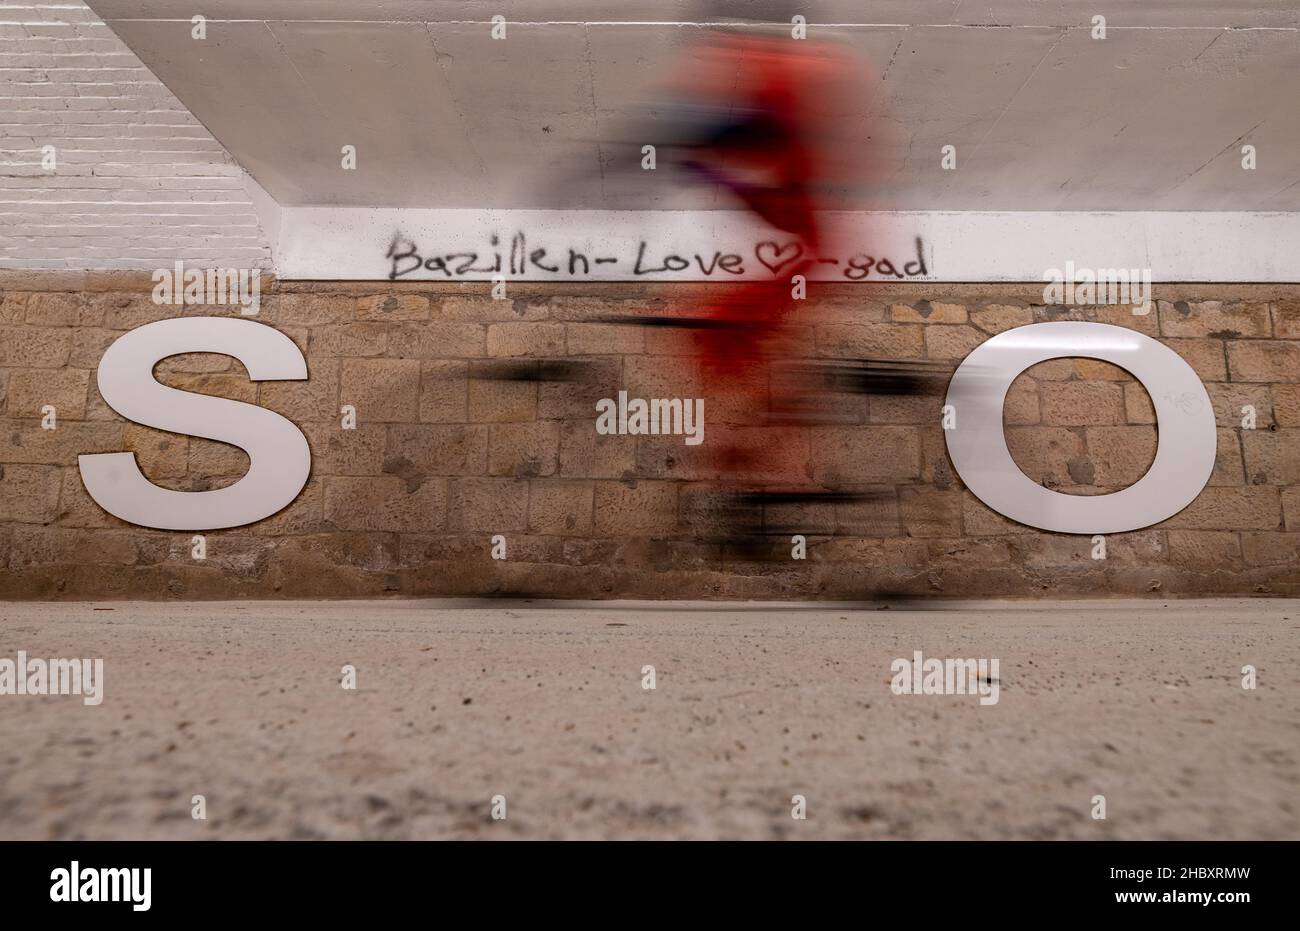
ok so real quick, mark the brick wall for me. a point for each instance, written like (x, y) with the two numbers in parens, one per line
(138, 181)
(446, 453)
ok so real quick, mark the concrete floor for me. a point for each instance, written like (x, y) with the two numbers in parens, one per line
(1139, 701)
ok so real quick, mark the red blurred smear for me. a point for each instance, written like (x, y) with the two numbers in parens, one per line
(769, 128)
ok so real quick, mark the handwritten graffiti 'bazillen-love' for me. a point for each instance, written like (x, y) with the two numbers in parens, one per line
(523, 257)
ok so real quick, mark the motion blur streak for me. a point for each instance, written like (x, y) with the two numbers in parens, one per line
(777, 126)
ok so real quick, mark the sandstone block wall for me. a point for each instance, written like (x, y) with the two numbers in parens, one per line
(451, 449)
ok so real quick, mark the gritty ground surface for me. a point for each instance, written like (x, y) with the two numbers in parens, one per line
(241, 702)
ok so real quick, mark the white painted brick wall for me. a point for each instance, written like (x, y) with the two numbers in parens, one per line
(139, 184)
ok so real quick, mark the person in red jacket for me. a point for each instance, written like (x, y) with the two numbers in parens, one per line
(762, 116)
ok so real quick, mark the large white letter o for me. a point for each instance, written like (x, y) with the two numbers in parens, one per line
(1185, 449)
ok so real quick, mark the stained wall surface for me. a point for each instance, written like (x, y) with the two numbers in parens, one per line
(449, 450)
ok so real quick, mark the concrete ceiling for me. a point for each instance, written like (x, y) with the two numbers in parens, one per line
(1043, 116)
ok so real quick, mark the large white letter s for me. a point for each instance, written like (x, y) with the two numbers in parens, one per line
(278, 454)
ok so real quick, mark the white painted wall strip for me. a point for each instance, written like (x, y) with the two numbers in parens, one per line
(593, 245)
